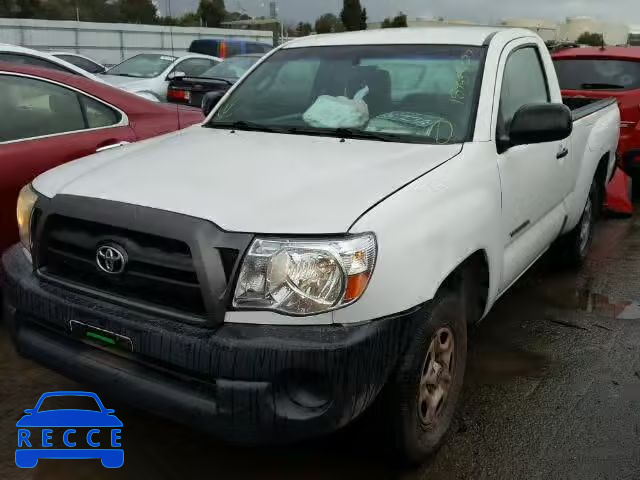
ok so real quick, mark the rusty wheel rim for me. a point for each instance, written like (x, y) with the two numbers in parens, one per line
(436, 375)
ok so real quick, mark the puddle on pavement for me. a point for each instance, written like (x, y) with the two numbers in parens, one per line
(630, 312)
(583, 299)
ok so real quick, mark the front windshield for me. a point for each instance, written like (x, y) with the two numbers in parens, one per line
(232, 68)
(146, 65)
(413, 93)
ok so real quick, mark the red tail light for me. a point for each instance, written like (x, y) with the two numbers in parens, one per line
(223, 49)
(178, 95)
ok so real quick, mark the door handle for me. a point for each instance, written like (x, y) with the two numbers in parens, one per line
(113, 145)
(562, 153)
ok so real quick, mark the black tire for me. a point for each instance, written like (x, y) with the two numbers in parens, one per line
(574, 247)
(416, 439)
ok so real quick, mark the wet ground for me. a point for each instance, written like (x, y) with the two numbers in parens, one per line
(552, 391)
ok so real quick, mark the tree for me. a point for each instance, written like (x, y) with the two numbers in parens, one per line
(8, 8)
(353, 16)
(28, 8)
(363, 19)
(399, 21)
(328, 23)
(593, 39)
(212, 12)
(303, 29)
(137, 11)
(235, 16)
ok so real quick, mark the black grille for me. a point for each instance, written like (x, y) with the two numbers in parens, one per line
(160, 271)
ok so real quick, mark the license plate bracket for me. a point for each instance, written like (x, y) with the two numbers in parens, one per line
(99, 336)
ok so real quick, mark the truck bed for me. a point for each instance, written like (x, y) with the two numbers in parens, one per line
(583, 106)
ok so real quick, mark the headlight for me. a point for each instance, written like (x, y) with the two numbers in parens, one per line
(304, 277)
(26, 201)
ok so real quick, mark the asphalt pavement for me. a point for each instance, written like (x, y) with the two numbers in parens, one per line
(552, 390)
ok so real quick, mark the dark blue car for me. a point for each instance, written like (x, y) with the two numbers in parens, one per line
(221, 48)
(31, 448)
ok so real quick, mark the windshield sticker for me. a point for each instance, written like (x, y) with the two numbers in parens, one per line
(458, 94)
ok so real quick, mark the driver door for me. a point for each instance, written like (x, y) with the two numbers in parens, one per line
(531, 175)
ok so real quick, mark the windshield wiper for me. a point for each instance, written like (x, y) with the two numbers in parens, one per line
(364, 135)
(350, 133)
(601, 86)
(244, 125)
(124, 75)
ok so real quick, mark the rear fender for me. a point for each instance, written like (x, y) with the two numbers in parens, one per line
(602, 142)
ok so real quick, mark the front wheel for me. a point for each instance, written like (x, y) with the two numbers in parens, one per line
(424, 394)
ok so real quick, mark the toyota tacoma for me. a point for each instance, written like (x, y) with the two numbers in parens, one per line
(321, 243)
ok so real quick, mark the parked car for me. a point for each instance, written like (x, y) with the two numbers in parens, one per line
(602, 73)
(148, 74)
(227, 48)
(27, 56)
(80, 61)
(191, 90)
(54, 117)
(351, 206)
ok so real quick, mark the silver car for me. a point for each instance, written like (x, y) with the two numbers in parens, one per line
(148, 74)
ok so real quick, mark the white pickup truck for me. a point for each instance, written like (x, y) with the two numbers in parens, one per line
(321, 243)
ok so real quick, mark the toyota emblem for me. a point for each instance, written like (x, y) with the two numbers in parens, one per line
(111, 259)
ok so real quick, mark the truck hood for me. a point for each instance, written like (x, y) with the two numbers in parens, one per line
(250, 181)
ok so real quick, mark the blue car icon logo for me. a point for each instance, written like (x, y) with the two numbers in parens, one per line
(84, 433)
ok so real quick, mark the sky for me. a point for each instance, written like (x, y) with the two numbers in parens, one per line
(485, 11)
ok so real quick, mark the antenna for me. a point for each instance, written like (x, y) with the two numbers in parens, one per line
(170, 25)
(241, 8)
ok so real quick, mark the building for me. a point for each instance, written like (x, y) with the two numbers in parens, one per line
(261, 24)
(634, 35)
(613, 33)
(547, 29)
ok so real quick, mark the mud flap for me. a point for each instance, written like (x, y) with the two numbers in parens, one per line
(619, 194)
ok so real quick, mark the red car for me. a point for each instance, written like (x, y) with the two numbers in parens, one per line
(601, 73)
(50, 117)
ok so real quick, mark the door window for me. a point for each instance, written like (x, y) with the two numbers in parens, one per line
(98, 114)
(195, 67)
(524, 82)
(38, 108)
(83, 63)
(33, 61)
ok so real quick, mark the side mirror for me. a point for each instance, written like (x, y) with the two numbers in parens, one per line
(538, 123)
(29, 411)
(176, 75)
(109, 411)
(210, 100)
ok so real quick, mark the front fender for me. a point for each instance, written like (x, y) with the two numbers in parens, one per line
(427, 229)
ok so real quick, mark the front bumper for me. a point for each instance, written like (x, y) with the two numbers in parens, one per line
(246, 384)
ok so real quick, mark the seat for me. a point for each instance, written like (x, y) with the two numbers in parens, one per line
(379, 82)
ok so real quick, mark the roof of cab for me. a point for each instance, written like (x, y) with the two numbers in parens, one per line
(437, 34)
